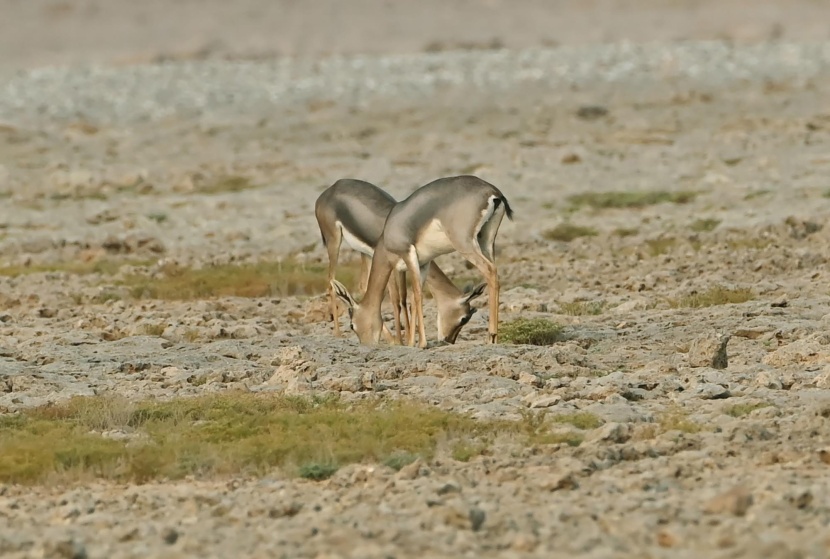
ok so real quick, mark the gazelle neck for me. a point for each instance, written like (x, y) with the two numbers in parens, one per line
(442, 287)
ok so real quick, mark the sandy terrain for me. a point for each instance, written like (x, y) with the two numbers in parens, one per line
(111, 163)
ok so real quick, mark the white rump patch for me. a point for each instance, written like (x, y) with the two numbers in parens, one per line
(486, 213)
(354, 242)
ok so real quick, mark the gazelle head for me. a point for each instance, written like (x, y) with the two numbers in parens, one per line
(454, 314)
(367, 327)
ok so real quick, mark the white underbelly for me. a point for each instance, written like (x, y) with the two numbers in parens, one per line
(354, 242)
(433, 242)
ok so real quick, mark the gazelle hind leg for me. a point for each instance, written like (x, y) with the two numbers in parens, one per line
(407, 316)
(395, 299)
(491, 276)
(333, 250)
(481, 252)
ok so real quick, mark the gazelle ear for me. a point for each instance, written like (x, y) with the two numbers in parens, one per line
(475, 292)
(343, 294)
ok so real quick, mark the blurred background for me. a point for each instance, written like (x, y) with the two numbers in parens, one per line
(58, 32)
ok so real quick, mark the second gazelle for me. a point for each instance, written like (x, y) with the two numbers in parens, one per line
(451, 214)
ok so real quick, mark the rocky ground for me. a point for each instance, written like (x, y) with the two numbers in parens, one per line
(715, 439)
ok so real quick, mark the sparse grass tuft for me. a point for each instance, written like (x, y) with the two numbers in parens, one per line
(582, 308)
(103, 297)
(248, 280)
(536, 427)
(748, 242)
(630, 199)
(714, 296)
(232, 434)
(225, 183)
(740, 410)
(677, 420)
(153, 329)
(626, 231)
(531, 331)
(704, 225)
(398, 460)
(661, 245)
(191, 335)
(757, 194)
(317, 471)
(567, 232)
(580, 420)
(465, 451)
(103, 267)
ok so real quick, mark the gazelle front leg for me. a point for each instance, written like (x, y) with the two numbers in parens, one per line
(418, 275)
(365, 267)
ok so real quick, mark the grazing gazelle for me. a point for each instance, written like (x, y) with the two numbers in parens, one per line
(356, 210)
(450, 214)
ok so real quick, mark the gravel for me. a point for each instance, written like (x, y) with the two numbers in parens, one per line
(216, 88)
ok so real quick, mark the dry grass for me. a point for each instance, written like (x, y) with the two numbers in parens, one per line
(752, 242)
(740, 410)
(245, 434)
(103, 267)
(225, 183)
(262, 279)
(580, 420)
(714, 296)
(154, 329)
(630, 199)
(534, 331)
(626, 231)
(582, 308)
(757, 194)
(567, 232)
(677, 420)
(661, 245)
(230, 434)
(704, 225)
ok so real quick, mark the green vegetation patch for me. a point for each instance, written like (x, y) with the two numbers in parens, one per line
(704, 225)
(714, 296)
(567, 232)
(580, 420)
(530, 331)
(261, 279)
(237, 434)
(740, 410)
(630, 199)
(103, 266)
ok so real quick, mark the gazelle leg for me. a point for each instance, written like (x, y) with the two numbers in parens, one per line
(395, 298)
(365, 267)
(414, 269)
(333, 249)
(491, 276)
(407, 316)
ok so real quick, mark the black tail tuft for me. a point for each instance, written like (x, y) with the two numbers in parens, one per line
(507, 207)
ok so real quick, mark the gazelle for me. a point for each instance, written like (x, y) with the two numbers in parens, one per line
(356, 211)
(451, 214)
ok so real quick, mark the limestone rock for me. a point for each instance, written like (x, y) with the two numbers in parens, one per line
(709, 351)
